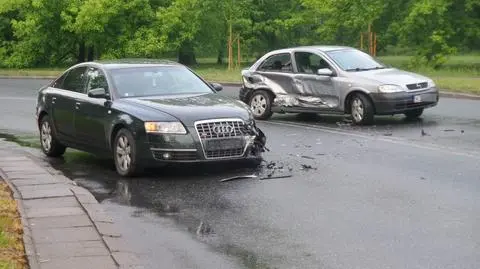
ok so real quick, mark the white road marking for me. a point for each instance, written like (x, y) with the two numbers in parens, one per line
(393, 140)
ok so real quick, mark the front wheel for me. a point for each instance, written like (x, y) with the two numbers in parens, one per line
(414, 114)
(125, 153)
(49, 142)
(261, 105)
(362, 109)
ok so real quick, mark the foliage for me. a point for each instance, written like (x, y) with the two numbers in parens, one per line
(35, 33)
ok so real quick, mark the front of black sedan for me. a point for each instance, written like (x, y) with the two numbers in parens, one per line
(179, 119)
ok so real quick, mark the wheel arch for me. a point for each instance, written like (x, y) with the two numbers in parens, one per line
(265, 89)
(349, 97)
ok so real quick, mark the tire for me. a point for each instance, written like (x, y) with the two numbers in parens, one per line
(362, 109)
(125, 154)
(48, 140)
(261, 104)
(413, 114)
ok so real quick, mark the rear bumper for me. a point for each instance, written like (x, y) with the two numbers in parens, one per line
(244, 94)
(397, 103)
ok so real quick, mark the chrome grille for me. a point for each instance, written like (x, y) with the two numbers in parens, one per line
(221, 129)
(210, 129)
(417, 86)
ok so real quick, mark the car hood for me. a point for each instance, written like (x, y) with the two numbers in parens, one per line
(392, 76)
(194, 107)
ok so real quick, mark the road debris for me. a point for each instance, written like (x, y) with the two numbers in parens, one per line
(424, 133)
(272, 176)
(307, 167)
(449, 130)
(239, 177)
(388, 134)
(307, 157)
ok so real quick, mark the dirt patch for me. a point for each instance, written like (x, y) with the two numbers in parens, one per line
(12, 251)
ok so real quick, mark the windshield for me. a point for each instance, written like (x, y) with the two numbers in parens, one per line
(355, 60)
(157, 80)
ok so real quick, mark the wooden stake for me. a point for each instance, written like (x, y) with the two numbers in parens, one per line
(375, 44)
(361, 40)
(230, 49)
(239, 56)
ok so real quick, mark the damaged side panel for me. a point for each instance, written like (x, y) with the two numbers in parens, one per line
(295, 90)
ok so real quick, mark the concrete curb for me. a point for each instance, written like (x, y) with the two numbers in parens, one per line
(30, 250)
(119, 252)
(446, 94)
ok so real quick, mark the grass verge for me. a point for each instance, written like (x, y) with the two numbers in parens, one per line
(12, 251)
(460, 74)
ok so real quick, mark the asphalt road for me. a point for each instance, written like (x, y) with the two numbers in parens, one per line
(383, 196)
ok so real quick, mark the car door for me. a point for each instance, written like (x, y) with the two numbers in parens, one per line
(317, 90)
(276, 72)
(91, 114)
(63, 102)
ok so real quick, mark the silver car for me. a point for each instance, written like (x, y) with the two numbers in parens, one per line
(333, 80)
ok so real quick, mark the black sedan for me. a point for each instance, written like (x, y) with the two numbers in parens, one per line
(144, 113)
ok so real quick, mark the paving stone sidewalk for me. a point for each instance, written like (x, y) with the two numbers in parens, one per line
(64, 225)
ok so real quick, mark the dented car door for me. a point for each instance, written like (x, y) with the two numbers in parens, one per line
(315, 90)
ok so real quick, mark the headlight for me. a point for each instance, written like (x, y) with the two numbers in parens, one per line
(431, 84)
(390, 88)
(170, 127)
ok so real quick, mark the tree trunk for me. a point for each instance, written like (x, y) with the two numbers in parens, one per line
(186, 54)
(90, 53)
(81, 53)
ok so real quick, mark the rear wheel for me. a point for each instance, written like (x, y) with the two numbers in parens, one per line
(125, 153)
(413, 114)
(261, 105)
(361, 109)
(49, 142)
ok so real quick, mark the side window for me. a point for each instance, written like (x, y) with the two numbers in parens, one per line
(277, 63)
(58, 83)
(96, 79)
(309, 63)
(75, 80)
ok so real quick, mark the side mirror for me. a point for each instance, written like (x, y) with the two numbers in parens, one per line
(325, 72)
(217, 86)
(98, 93)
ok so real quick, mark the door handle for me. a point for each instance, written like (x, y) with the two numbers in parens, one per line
(53, 100)
(77, 105)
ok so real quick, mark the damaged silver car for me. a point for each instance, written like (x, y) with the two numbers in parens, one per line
(333, 80)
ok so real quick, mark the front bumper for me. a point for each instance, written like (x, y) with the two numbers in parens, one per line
(396, 103)
(190, 148)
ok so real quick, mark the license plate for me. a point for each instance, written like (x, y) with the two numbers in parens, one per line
(417, 99)
(221, 144)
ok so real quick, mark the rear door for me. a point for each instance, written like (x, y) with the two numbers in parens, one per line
(318, 91)
(63, 102)
(276, 73)
(92, 114)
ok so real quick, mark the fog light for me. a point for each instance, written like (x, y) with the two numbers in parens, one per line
(167, 155)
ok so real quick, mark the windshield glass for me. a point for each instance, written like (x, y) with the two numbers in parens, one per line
(355, 60)
(157, 80)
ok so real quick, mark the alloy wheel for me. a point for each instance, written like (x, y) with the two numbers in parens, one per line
(46, 136)
(123, 153)
(357, 110)
(258, 105)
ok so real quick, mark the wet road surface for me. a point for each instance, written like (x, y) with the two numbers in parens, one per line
(383, 196)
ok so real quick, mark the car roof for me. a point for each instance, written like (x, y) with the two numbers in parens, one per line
(322, 48)
(128, 63)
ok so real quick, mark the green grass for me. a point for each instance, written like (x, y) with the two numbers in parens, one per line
(12, 251)
(460, 74)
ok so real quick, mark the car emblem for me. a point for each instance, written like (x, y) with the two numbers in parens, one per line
(223, 129)
(419, 85)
